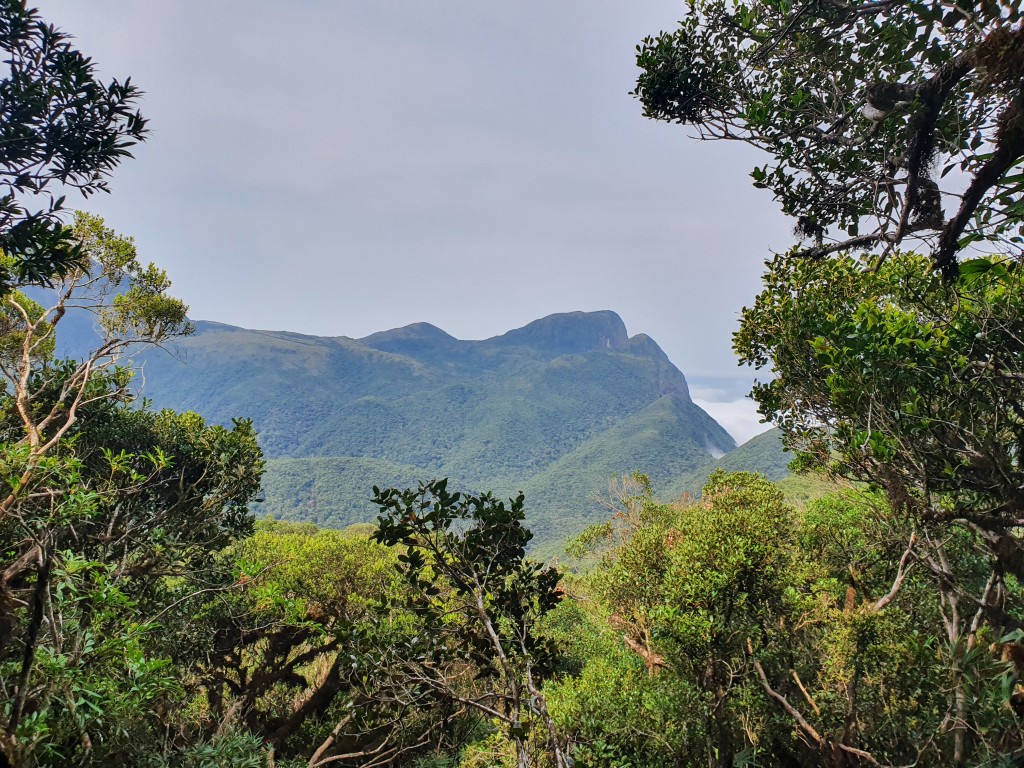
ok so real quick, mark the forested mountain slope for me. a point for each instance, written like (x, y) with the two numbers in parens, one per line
(762, 453)
(553, 409)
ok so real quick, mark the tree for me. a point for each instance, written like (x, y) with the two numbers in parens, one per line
(109, 513)
(887, 122)
(113, 537)
(130, 304)
(911, 383)
(896, 378)
(277, 655)
(479, 599)
(60, 128)
(737, 630)
(685, 587)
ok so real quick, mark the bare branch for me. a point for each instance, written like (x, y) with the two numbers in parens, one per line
(901, 574)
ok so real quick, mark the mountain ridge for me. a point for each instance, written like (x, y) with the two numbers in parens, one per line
(553, 408)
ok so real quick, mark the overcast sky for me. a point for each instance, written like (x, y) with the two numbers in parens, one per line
(339, 168)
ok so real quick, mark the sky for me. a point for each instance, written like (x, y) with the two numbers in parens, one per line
(340, 168)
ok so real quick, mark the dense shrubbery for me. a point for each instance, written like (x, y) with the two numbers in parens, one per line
(738, 630)
(731, 630)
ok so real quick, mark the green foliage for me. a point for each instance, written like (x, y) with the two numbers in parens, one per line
(275, 650)
(623, 716)
(686, 587)
(230, 750)
(316, 574)
(108, 517)
(13, 326)
(912, 383)
(145, 619)
(871, 114)
(551, 411)
(727, 561)
(703, 617)
(109, 534)
(131, 299)
(94, 680)
(480, 599)
(477, 544)
(60, 127)
(898, 378)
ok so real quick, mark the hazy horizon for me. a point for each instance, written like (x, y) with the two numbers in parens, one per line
(340, 169)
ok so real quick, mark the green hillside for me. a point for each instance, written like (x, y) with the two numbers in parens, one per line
(552, 409)
(666, 439)
(762, 453)
(667, 436)
(332, 492)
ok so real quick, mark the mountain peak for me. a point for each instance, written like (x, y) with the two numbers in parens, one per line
(553, 409)
(412, 338)
(419, 331)
(569, 332)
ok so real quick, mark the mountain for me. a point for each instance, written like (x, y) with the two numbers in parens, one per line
(762, 453)
(553, 409)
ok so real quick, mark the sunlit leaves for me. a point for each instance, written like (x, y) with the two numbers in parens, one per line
(897, 377)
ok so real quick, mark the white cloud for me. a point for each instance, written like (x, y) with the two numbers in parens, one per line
(739, 417)
(711, 394)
